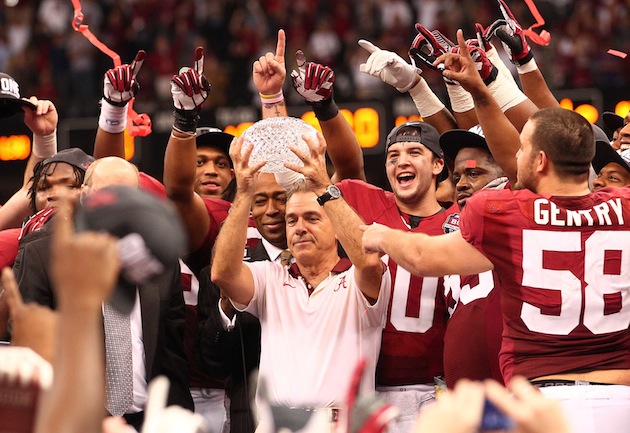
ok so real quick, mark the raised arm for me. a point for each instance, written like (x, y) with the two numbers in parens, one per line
(425, 255)
(189, 90)
(368, 266)
(516, 46)
(119, 87)
(268, 74)
(228, 270)
(42, 121)
(314, 82)
(501, 135)
(393, 70)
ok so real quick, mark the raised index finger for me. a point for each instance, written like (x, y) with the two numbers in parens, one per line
(280, 47)
(199, 60)
(63, 227)
(137, 63)
(368, 46)
(11, 291)
(463, 49)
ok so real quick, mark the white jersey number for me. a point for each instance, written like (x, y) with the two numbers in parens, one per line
(399, 319)
(598, 284)
(467, 294)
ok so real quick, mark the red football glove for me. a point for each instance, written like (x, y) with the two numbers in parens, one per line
(312, 80)
(485, 67)
(119, 83)
(190, 88)
(428, 46)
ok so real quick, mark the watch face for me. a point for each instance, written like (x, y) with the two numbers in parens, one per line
(334, 191)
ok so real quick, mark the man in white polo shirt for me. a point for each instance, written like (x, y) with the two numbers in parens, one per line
(320, 315)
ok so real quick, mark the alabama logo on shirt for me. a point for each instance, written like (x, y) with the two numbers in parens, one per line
(451, 224)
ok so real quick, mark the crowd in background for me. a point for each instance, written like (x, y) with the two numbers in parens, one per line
(39, 46)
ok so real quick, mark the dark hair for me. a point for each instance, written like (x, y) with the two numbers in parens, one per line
(229, 192)
(567, 139)
(40, 171)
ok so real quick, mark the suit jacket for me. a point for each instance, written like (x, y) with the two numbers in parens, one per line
(236, 352)
(161, 304)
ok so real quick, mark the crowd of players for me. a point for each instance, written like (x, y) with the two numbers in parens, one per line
(39, 45)
(431, 286)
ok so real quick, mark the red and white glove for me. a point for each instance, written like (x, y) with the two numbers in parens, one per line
(484, 36)
(190, 88)
(427, 46)
(487, 70)
(312, 80)
(119, 83)
(510, 32)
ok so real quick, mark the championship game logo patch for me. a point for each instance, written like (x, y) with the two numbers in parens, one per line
(451, 224)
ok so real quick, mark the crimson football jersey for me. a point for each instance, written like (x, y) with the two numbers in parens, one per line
(564, 269)
(217, 211)
(412, 346)
(473, 333)
(8, 246)
(191, 266)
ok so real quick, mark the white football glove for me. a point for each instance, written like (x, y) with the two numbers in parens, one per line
(389, 67)
(120, 85)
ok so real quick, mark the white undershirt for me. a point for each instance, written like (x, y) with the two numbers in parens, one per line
(138, 359)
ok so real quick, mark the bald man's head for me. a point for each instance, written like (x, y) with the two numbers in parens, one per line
(109, 171)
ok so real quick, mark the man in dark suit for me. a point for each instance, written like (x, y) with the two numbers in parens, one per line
(157, 320)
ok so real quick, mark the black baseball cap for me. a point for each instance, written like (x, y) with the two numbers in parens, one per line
(612, 120)
(151, 235)
(457, 139)
(10, 100)
(605, 154)
(73, 156)
(214, 137)
(427, 136)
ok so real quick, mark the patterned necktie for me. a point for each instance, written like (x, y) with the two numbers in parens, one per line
(285, 257)
(118, 363)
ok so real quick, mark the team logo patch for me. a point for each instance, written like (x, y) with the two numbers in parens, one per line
(451, 224)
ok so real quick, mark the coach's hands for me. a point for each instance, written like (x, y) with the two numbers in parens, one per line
(244, 174)
(314, 168)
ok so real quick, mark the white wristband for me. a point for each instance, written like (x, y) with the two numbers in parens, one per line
(288, 178)
(426, 102)
(506, 93)
(112, 119)
(461, 100)
(493, 56)
(45, 146)
(530, 66)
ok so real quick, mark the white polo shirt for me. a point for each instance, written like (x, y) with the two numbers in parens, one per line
(310, 345)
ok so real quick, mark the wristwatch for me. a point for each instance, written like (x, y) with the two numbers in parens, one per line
(332, 193)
